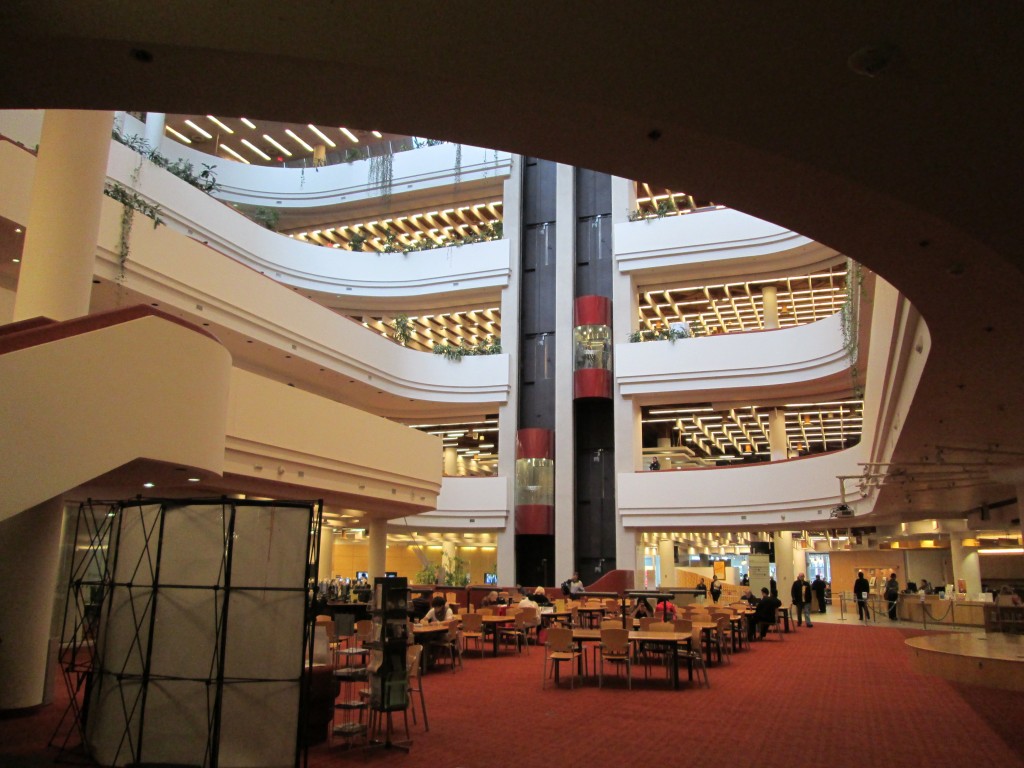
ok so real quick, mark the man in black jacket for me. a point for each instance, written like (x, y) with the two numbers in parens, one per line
(818, 587)
(765, 613)
(801, 594)
(861, 589)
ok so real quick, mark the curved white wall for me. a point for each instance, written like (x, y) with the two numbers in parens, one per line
(797, 491)
(413, 170)
(304, 265)
(713, 244)
(465, 503)
(735, 363)
(78, 407)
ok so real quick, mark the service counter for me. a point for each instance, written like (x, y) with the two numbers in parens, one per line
(933, 609)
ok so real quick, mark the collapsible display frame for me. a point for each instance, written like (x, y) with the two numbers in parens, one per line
(193, 644)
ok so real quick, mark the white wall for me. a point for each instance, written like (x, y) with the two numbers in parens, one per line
(466, 504)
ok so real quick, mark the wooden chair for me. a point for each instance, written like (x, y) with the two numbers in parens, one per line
(414, 682)
(614, 648)
(560, 649)
(363, 635)
(694, 656)
(531, 617)
(516, 632)
(611, 623)
(448, 646)
(650, 650)
(473, 630)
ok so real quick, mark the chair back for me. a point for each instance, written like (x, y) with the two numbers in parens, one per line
(412, 660)
(611, 606)
(344, 625)
(485, 611)
(472, 622)
(615, 640)
(611, 624)
(364, 631)
(560, 640)
(530, 616)
(661, 626)
(321, 647)
(683, 625)
(451, 598)
(645, 623)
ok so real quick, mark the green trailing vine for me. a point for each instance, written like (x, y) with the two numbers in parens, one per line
(849, 320)
(382, 174)
(393, 245)
(402, 329)
(204, 180)
(455, 352)
(671, 333)
(458, 164)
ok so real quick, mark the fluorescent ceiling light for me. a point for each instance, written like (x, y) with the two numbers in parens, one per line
(248, 122)
(378, 134)
(351, 136)
(180, 136)
(298, 140)
(319, 133)
(202, 131)
(234, 154)
(1002, 551)
(256, 149)
(270, 139)
(218, 123)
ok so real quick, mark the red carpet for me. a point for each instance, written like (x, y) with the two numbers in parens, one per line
(836, 695)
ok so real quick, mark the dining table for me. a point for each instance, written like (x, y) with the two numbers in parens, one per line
(492, 623)
(426, 633)
(581, 636)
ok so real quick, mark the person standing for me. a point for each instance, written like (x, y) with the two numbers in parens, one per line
(818, 587)
(575, 585)
(716, 589)
(801, 595)
(861, 588)
(655, 464)
(892, 595)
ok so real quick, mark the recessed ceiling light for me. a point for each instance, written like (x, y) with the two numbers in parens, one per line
(256, 149)
(193, 479)
(234, 154)
(295, 136)
(248, 122)
(320, 133)
(202, 131)
(179, 136)
(377, 134)
(16, 261)
(218, 123)
(17, 230)
(351, 136)
(148, 485)
(284, 151)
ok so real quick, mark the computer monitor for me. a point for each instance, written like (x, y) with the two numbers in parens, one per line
(362, 574)
(490, 578)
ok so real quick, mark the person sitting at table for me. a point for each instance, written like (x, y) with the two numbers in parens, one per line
(439, 612)
(420, 607)
(526, 602)
(666, 609)
(540, 596)
(642, 609)
(490, 600)
(765, 614)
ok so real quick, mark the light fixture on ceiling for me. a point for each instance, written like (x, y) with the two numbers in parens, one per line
(248, 122)
(201, 131)
(320, 133)
(378, 134)
(218, 123)
(234, 154)
(351, 136)
(256, 149)
(271, 140)
(1001, 551)
(298, 140)
(180, 136)
(148, 485)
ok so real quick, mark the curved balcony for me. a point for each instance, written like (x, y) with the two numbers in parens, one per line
(465, 503)
(359, 279)
(417, 170)
(719, 244)
(795, 491)
(807, 358)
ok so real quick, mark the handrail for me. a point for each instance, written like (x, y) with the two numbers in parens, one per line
(25, 325)
(735, 466)
(43, 330)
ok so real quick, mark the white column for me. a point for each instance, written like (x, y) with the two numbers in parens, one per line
(64, 215)
(770, 299)
(155, 129)
(451, 461)
(784, 573)
(29, 555)
(377, 536)
(565, 276)
(966, 565)
(508, 414)
(777, 441)
(667, 556)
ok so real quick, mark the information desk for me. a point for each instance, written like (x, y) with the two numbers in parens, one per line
(995, 660)
(934, 609)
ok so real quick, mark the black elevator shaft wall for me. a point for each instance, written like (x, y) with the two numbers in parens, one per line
(535, 554)
(594, 435)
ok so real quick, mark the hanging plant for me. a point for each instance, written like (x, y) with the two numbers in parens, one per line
(402, 329)
(458, 164)
(382, 173)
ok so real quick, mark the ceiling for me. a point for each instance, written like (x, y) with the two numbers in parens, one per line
(887, 131)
